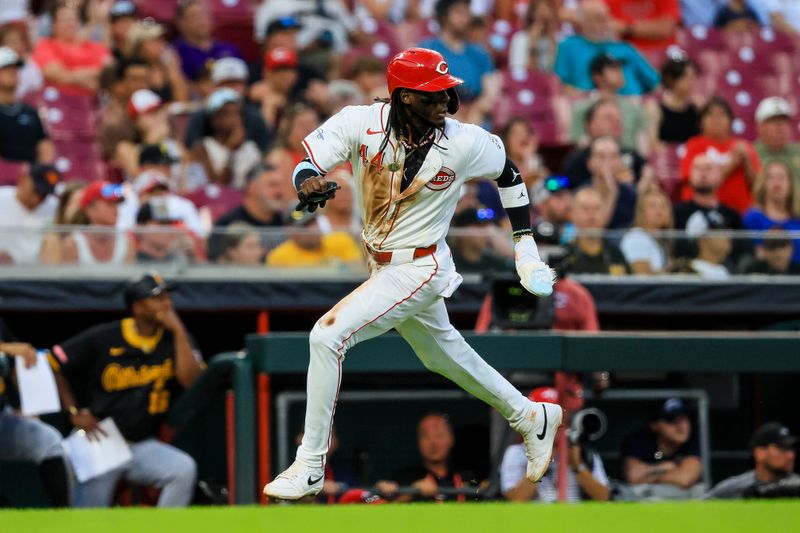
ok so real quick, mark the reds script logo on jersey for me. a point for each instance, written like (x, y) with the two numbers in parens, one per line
(442, 180)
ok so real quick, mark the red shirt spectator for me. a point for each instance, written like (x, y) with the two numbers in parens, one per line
(737, 158)
(646, 24)
(67, 61)
(575, 309)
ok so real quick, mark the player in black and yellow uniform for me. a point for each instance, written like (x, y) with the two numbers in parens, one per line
(132, 369)
(30, 439)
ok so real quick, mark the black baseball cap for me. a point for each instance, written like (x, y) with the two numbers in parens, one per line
(283, 23)
(773, 433)
(122, 8)
(151, 284)
(155, 154)
(670, 410)
(602, 61)
(45, 178)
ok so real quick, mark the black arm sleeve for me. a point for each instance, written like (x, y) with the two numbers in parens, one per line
(520, 217)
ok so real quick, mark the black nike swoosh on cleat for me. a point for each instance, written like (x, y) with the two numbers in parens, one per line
(544, 429)
(312, 481)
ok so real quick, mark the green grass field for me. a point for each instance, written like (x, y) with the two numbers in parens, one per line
(751, 517)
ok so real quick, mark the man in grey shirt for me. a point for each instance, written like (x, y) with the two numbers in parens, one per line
(773, 476)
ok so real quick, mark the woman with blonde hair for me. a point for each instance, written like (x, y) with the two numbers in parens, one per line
(645, 250)
(773, 207)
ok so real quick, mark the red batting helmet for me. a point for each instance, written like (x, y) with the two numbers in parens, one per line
(421, 69)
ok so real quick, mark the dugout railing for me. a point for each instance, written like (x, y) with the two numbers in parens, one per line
(286, 354)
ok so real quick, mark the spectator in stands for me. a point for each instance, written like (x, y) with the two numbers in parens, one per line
(774, 194)
(586, 476)
(713, 245)
(551, 199)
(282, 32)
(774, 256)
(231, 72)
(67, 60)
(645, 250)
(675, 118)
(341, 212)
(153, 183)
(121, 17)
(225, 152)
(597, 37)
(736, 16)
(534, 46)
(468, 61)
(662, 460)
(162, 235)
(131, 370)
(737, 158)
(298, 122)
(124, 79)
(603, 119)
(590, 253)
(775, 119)
(30, 76)
(309, 245)
(28, 439)
(695, 13)
(68, 213)
(263, 200)
(150, 127)
(323, 23)
(146, 40)
(609, 177)
(608, 78)
(369, 74)
(280, 78)
(472, 251)
(522, 146)
(774, 450)
(101, 244)
(241, 245)
(705, 178)
(196, 45)
(22, 134)
(435, 440)
(647, 25)
(29, 205)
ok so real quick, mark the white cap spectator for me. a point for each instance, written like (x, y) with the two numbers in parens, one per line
(220, 98)
(9, 58)
(772, 107)
(143, 101)
(148, 181)
(228, 69)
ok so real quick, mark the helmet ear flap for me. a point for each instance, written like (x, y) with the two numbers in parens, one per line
(453, 104)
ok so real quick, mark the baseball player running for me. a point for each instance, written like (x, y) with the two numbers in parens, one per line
(410, 161)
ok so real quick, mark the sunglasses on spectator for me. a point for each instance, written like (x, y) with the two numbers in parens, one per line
(112, 191)
(557, 183)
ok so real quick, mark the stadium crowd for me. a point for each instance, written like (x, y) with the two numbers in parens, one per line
(167, 131)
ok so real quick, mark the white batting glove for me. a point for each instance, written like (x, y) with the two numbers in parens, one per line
(534, 274)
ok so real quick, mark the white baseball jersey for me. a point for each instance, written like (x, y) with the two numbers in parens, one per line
(418, 216)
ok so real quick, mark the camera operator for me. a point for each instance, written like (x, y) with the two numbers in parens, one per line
(773, 449)
(586, 477)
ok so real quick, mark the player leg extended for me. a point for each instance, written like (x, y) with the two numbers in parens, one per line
(443, 350)
(389, 297)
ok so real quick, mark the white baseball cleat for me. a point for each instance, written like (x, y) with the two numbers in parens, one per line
(539, 430)
(297, 481)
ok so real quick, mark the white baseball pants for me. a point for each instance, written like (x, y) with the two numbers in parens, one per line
(410, 298)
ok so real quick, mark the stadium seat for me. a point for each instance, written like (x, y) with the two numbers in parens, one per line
(233, 23)
(10, 171)
(161, 10)
(73, 168)
(218, 200)
(530, 94)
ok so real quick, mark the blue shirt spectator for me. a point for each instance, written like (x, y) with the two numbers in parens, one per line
(694, 13)
(575, 54)
(468, 61)
(756, 220)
